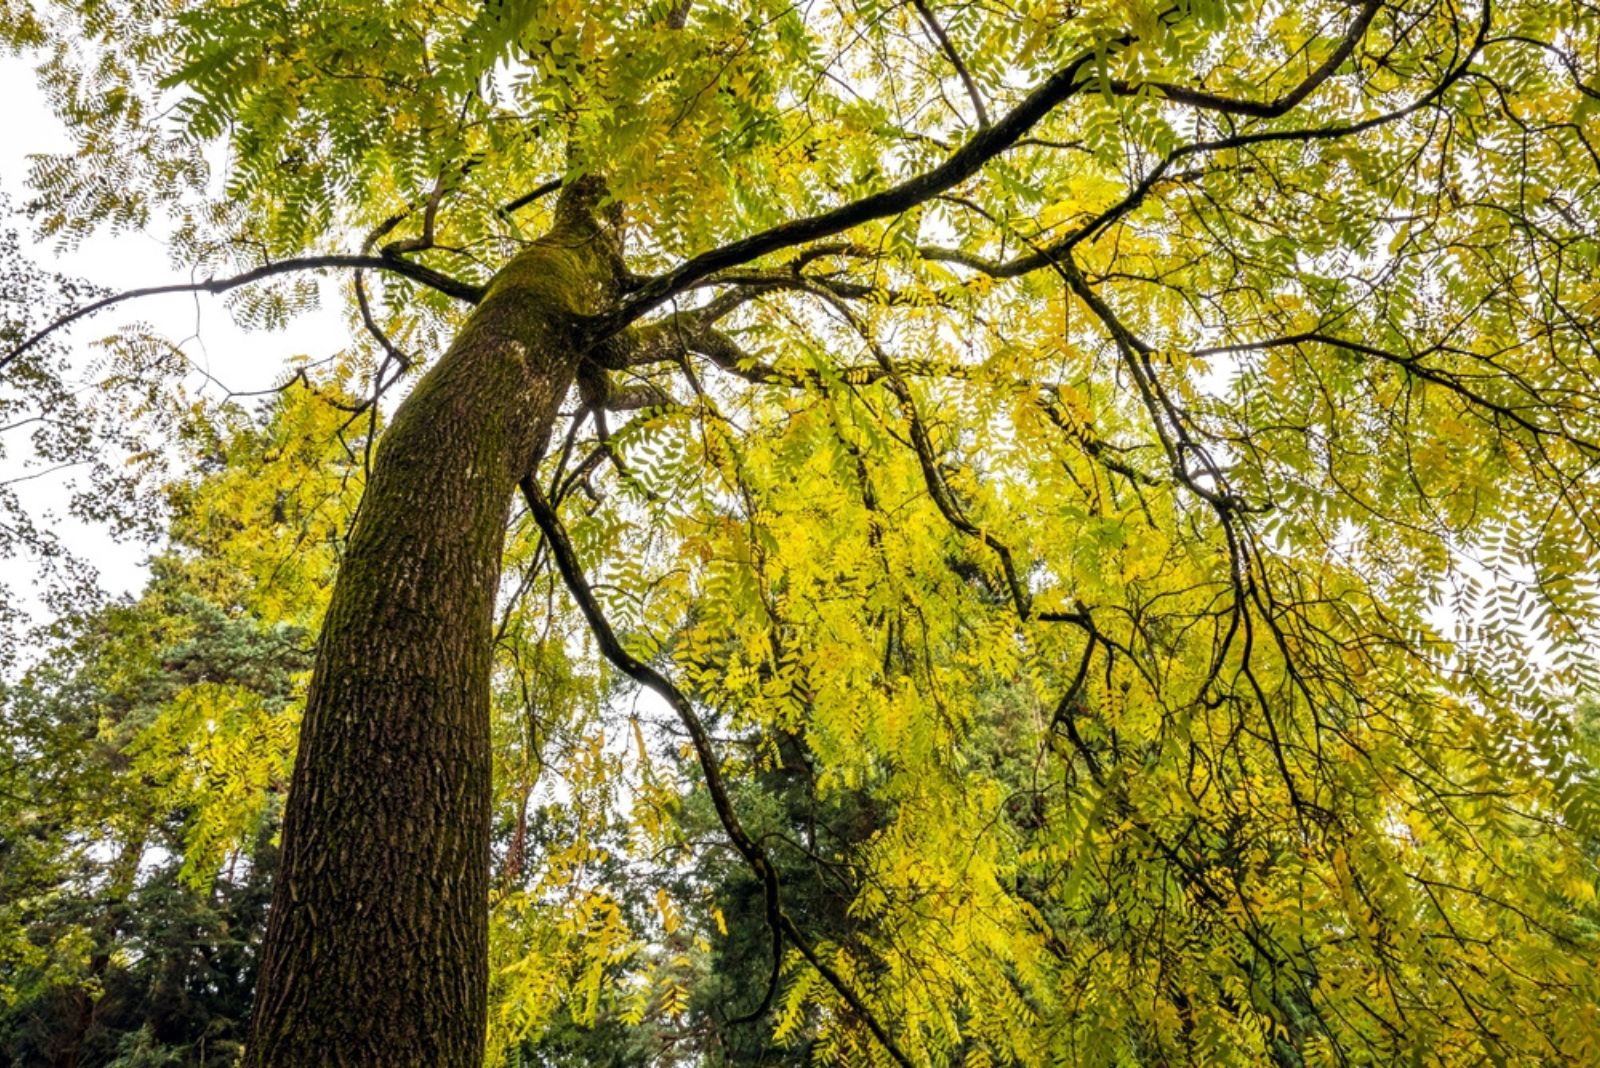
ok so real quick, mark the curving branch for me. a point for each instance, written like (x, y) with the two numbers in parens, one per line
(927, 460)
(994, 139)
(427, 276)
(566, 559)
(960, 165)
(1049, 254)
(1265, 109)
(1413, 365)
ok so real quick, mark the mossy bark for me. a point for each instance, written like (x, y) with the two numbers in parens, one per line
(376, 948)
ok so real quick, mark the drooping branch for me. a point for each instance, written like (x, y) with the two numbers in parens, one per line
(416, 272)
(1065, 716)
(1172, 428)
(938, 490)
(754, 854)
(689, 333)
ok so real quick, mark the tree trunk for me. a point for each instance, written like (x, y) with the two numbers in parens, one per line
(376, 947)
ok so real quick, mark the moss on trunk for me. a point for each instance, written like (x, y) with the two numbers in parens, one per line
(376, 948)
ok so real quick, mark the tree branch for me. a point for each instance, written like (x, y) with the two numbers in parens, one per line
(414, 271)
(755, 856)
(544, 189)
(1266, 109)
(943, 40)
(962, 164)
(986, 144)
(1412, 365)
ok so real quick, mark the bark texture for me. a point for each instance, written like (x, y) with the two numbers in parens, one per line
(376, 948)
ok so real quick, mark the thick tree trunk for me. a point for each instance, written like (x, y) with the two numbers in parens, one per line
(376, 946)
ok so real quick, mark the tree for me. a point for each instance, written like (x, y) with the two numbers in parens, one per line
(148, 750)
(1159, 366)
(129, 931)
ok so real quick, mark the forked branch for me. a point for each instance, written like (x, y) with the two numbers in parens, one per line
(994, 139)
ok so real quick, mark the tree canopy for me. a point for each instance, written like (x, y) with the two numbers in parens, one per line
(1053, 532)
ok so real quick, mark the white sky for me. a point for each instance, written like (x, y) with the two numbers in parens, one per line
(243, 360)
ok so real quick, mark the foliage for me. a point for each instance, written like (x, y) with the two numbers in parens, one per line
(128, 928)
(149, 749)
(41, 420)
(1159, 557)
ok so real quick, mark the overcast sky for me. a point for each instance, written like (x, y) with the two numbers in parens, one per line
(242, 360)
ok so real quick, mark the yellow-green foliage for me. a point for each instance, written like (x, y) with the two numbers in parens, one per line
(1172, 543)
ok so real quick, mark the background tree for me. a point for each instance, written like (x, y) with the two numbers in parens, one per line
(1161, 368)
(132, 906)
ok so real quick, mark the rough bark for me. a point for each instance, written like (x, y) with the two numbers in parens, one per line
(376, 947)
